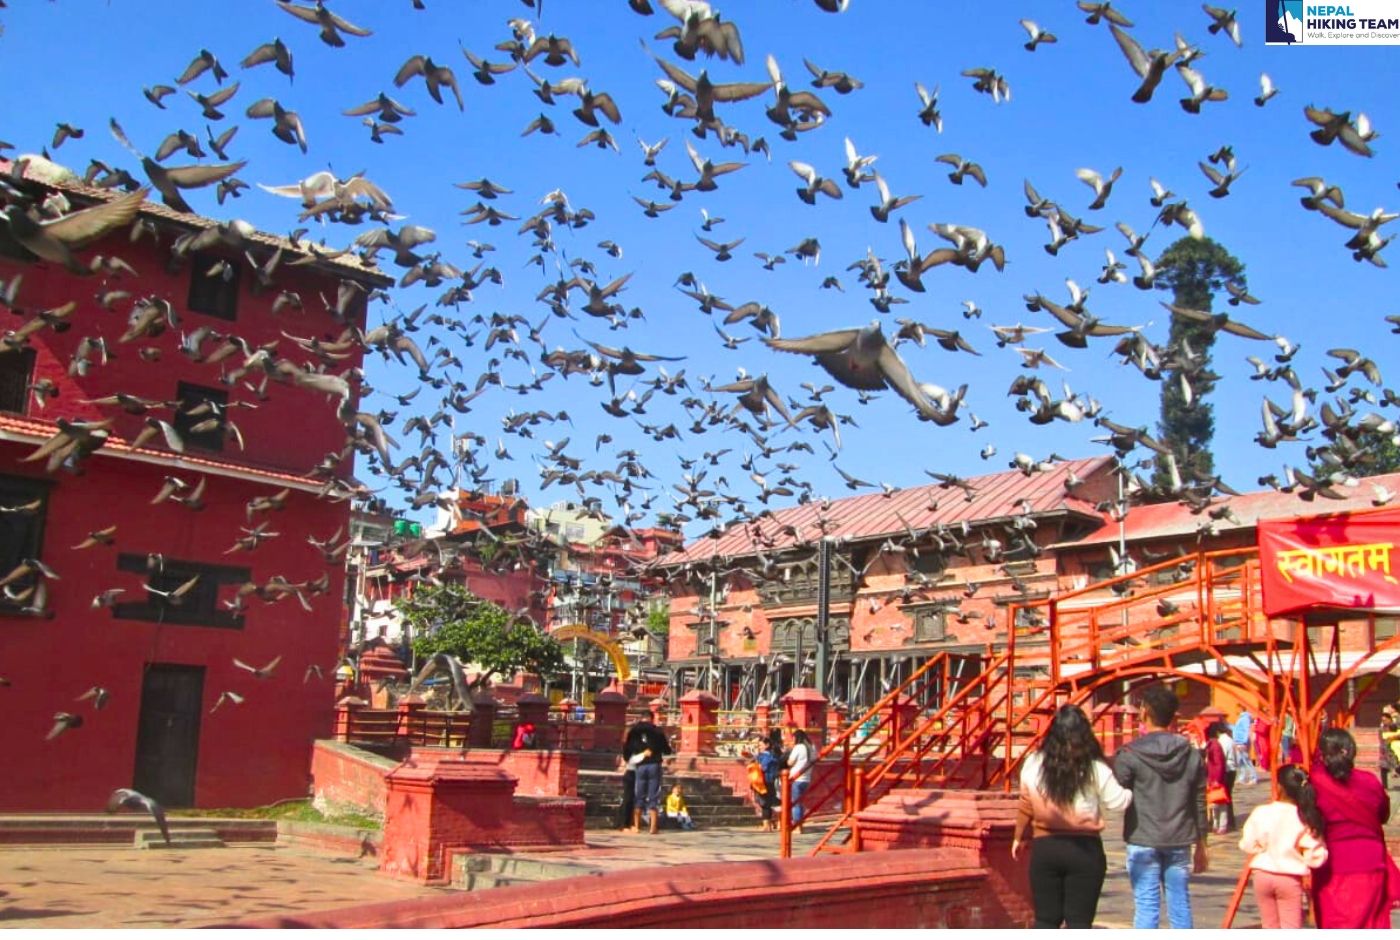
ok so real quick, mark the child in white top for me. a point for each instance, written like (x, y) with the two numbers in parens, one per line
(1283, 841)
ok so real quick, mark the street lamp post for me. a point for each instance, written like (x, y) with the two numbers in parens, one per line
(823, 610)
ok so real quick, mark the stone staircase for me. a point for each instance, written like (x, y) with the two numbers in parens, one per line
(712, 804)
(182, 838)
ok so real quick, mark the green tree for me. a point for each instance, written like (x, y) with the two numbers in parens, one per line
(450, 619)
(1194, 270)
(659, 621)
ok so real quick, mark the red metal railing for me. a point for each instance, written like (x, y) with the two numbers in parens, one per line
(971, 731)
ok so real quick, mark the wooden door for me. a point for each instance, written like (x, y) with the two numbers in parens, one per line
(167, 737)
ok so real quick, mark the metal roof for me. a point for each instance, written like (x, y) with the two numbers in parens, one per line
(1175, 520)
(872, 516)
(23, 431)
(346, 265)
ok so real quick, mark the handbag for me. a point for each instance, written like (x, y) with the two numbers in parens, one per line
(1216, 794)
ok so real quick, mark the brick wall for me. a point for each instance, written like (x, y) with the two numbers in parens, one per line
(345, 776)
(538, 773)
(930, 888)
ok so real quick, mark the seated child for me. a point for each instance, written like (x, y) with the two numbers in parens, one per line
(676, 809)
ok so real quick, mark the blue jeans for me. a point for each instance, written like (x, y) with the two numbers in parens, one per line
(1245, 769)
(648, 787)
(799, 787)
(1148, 870)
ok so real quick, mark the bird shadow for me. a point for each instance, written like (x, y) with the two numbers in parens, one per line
(23, 913)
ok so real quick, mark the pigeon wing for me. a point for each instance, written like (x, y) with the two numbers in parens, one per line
(897, 374)
(195, 177)
(78, 229)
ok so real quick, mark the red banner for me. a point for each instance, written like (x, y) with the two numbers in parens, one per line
(1337, 561)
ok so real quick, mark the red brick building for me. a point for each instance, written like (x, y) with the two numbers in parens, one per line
(221, 569)
(934, 568)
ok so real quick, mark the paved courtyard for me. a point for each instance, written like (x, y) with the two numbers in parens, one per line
(109, 886)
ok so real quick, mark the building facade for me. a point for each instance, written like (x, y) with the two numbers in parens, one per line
(166, 624)
(940, 568)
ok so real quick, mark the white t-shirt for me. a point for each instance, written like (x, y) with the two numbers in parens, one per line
(799, 762)
(1227, 744)
(1087, 813)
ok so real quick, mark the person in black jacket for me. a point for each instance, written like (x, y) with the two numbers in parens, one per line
(1167, 818)
(649, 741)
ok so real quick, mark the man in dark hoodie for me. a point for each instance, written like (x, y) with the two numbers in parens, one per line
(1165, 826)
(648, 741)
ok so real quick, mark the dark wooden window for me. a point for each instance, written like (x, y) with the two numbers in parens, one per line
(198, 607)
(21, 532)
(929, 562)
(930, 624)
(190, 397)
(217, 295)
(16, 372)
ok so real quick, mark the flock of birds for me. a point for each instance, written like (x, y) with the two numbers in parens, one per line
(763, 435)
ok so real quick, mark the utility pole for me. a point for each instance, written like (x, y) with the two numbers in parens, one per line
(823, 611)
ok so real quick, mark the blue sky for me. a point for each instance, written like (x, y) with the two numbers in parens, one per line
(84, 62)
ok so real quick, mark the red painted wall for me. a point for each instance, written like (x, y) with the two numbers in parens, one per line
(937, 888)
(291, 431)
(248, 754)
(346, 776)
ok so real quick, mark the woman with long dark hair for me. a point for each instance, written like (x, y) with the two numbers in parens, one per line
(1350, 888)
(1065, 789)
(1283, 840)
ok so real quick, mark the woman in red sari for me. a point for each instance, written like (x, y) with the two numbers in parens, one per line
(1350, 889)
(1264, 741)
(1216, 778)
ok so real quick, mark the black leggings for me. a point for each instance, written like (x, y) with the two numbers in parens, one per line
(1067, 875)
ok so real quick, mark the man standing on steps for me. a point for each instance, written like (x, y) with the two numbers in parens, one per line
(1165, 825)
(649, 741)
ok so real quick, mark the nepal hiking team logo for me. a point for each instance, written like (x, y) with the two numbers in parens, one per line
(1283, 21)
(1355, 23)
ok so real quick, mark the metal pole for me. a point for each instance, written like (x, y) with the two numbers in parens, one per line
(823, 611)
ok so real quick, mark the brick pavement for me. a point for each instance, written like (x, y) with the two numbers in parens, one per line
(109, 886)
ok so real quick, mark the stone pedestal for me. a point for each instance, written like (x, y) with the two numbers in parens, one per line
(483, 720)
(806, 709)
(609, 720)
(978, 824)
(535, 709)
(565, 724)
(345, 710)
(410, 725)
(436, 807)
(377, 666)
(763, 718)
(699, 718)
(835, 721)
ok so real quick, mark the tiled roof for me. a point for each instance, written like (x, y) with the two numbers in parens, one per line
(346, 265)
(1175, 520)
(25, 431)
(872, 516)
